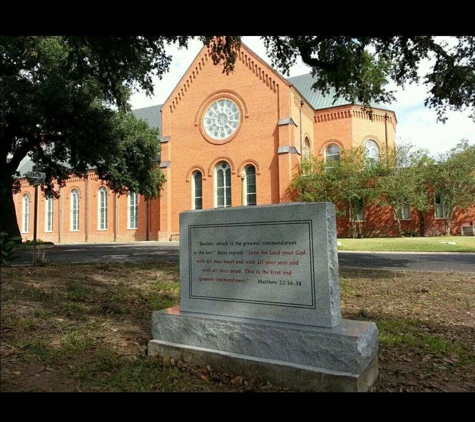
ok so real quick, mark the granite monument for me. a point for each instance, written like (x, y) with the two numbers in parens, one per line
(260, 295)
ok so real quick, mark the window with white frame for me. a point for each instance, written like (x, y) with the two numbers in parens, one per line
(332, 153)
(371, 150)
(223, 185)
(439, 207)
(74, 210)
(250, 196)
(102, 209)
(132, 215)
(358, 210)
(197, 190)
(49, 215)
(404, 212)
(25, 205)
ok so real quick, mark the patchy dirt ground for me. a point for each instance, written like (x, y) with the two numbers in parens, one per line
(70, 328)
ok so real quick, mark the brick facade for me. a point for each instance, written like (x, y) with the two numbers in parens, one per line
(276, 122)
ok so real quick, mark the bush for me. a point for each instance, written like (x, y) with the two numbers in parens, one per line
(8, 246)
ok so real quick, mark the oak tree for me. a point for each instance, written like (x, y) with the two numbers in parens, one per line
(64, 102)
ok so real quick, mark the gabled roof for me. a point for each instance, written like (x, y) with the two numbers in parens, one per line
(303, 84)
(25, 166)
(152, 115)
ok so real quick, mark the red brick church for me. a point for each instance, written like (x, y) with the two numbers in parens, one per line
(226, 141)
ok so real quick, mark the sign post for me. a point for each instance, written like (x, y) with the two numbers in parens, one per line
(35, 178)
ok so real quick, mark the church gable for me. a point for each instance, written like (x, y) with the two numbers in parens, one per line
(261, 70)
(187, 80)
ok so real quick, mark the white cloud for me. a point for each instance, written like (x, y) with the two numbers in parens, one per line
(416, 123)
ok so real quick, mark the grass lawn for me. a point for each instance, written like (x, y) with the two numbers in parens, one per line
(410, 244)
(85, 328)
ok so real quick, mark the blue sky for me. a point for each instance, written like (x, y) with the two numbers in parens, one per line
(417, 124)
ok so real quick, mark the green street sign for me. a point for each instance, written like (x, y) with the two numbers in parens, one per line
(36, 178)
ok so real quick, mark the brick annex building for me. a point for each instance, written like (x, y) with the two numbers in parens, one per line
(226, 140)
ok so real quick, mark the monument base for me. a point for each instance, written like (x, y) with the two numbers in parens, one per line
(300, 357)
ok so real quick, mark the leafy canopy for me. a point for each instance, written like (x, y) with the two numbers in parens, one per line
(64, 102)
(361, 67)
(453, 179)
(402, 180)
(347, 182)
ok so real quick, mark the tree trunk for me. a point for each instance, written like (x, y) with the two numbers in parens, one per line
(422, 227)
(447, 226)
(399, 228)
(8, 220)
(448, 220)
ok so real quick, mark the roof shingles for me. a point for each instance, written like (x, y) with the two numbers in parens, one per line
(303, 84)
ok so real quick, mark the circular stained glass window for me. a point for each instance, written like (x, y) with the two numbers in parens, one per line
(221, 119)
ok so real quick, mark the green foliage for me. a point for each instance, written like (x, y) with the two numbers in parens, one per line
(77, 292)
(74, 343)
(452, 178)
(64, 103)
(28, 244)
(410, 334)
(26, 323)
(8, 247)
(64, 100)
(409, 244)
(360, 68)
(405, 176)
(403, 180)
(348, 183)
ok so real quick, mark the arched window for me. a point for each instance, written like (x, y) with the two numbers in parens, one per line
(102, 209)
(25, 203)
(197, 190)
(371, 150)
(223, 185)
(132, 215)
(74, 210)
(49, 215)
(332, 153)
(250, 196)
(306, 148)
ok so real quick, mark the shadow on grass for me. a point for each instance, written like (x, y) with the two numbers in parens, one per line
(90, 324)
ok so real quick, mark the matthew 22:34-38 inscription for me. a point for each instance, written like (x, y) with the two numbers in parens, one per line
(259, 263)
(269, 262)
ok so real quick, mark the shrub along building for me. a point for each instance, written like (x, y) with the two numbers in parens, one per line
(226, 140)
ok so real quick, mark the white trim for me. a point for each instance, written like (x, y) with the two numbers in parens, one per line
(193, 190)
(369, 151)
(441, 206)
(102, 208)
(332, 155)
(74, 210)
(25, 213)
(225, 187)
(49, 213)
(132, 211)
(362, 213)
(245, 186)
(408, 208)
